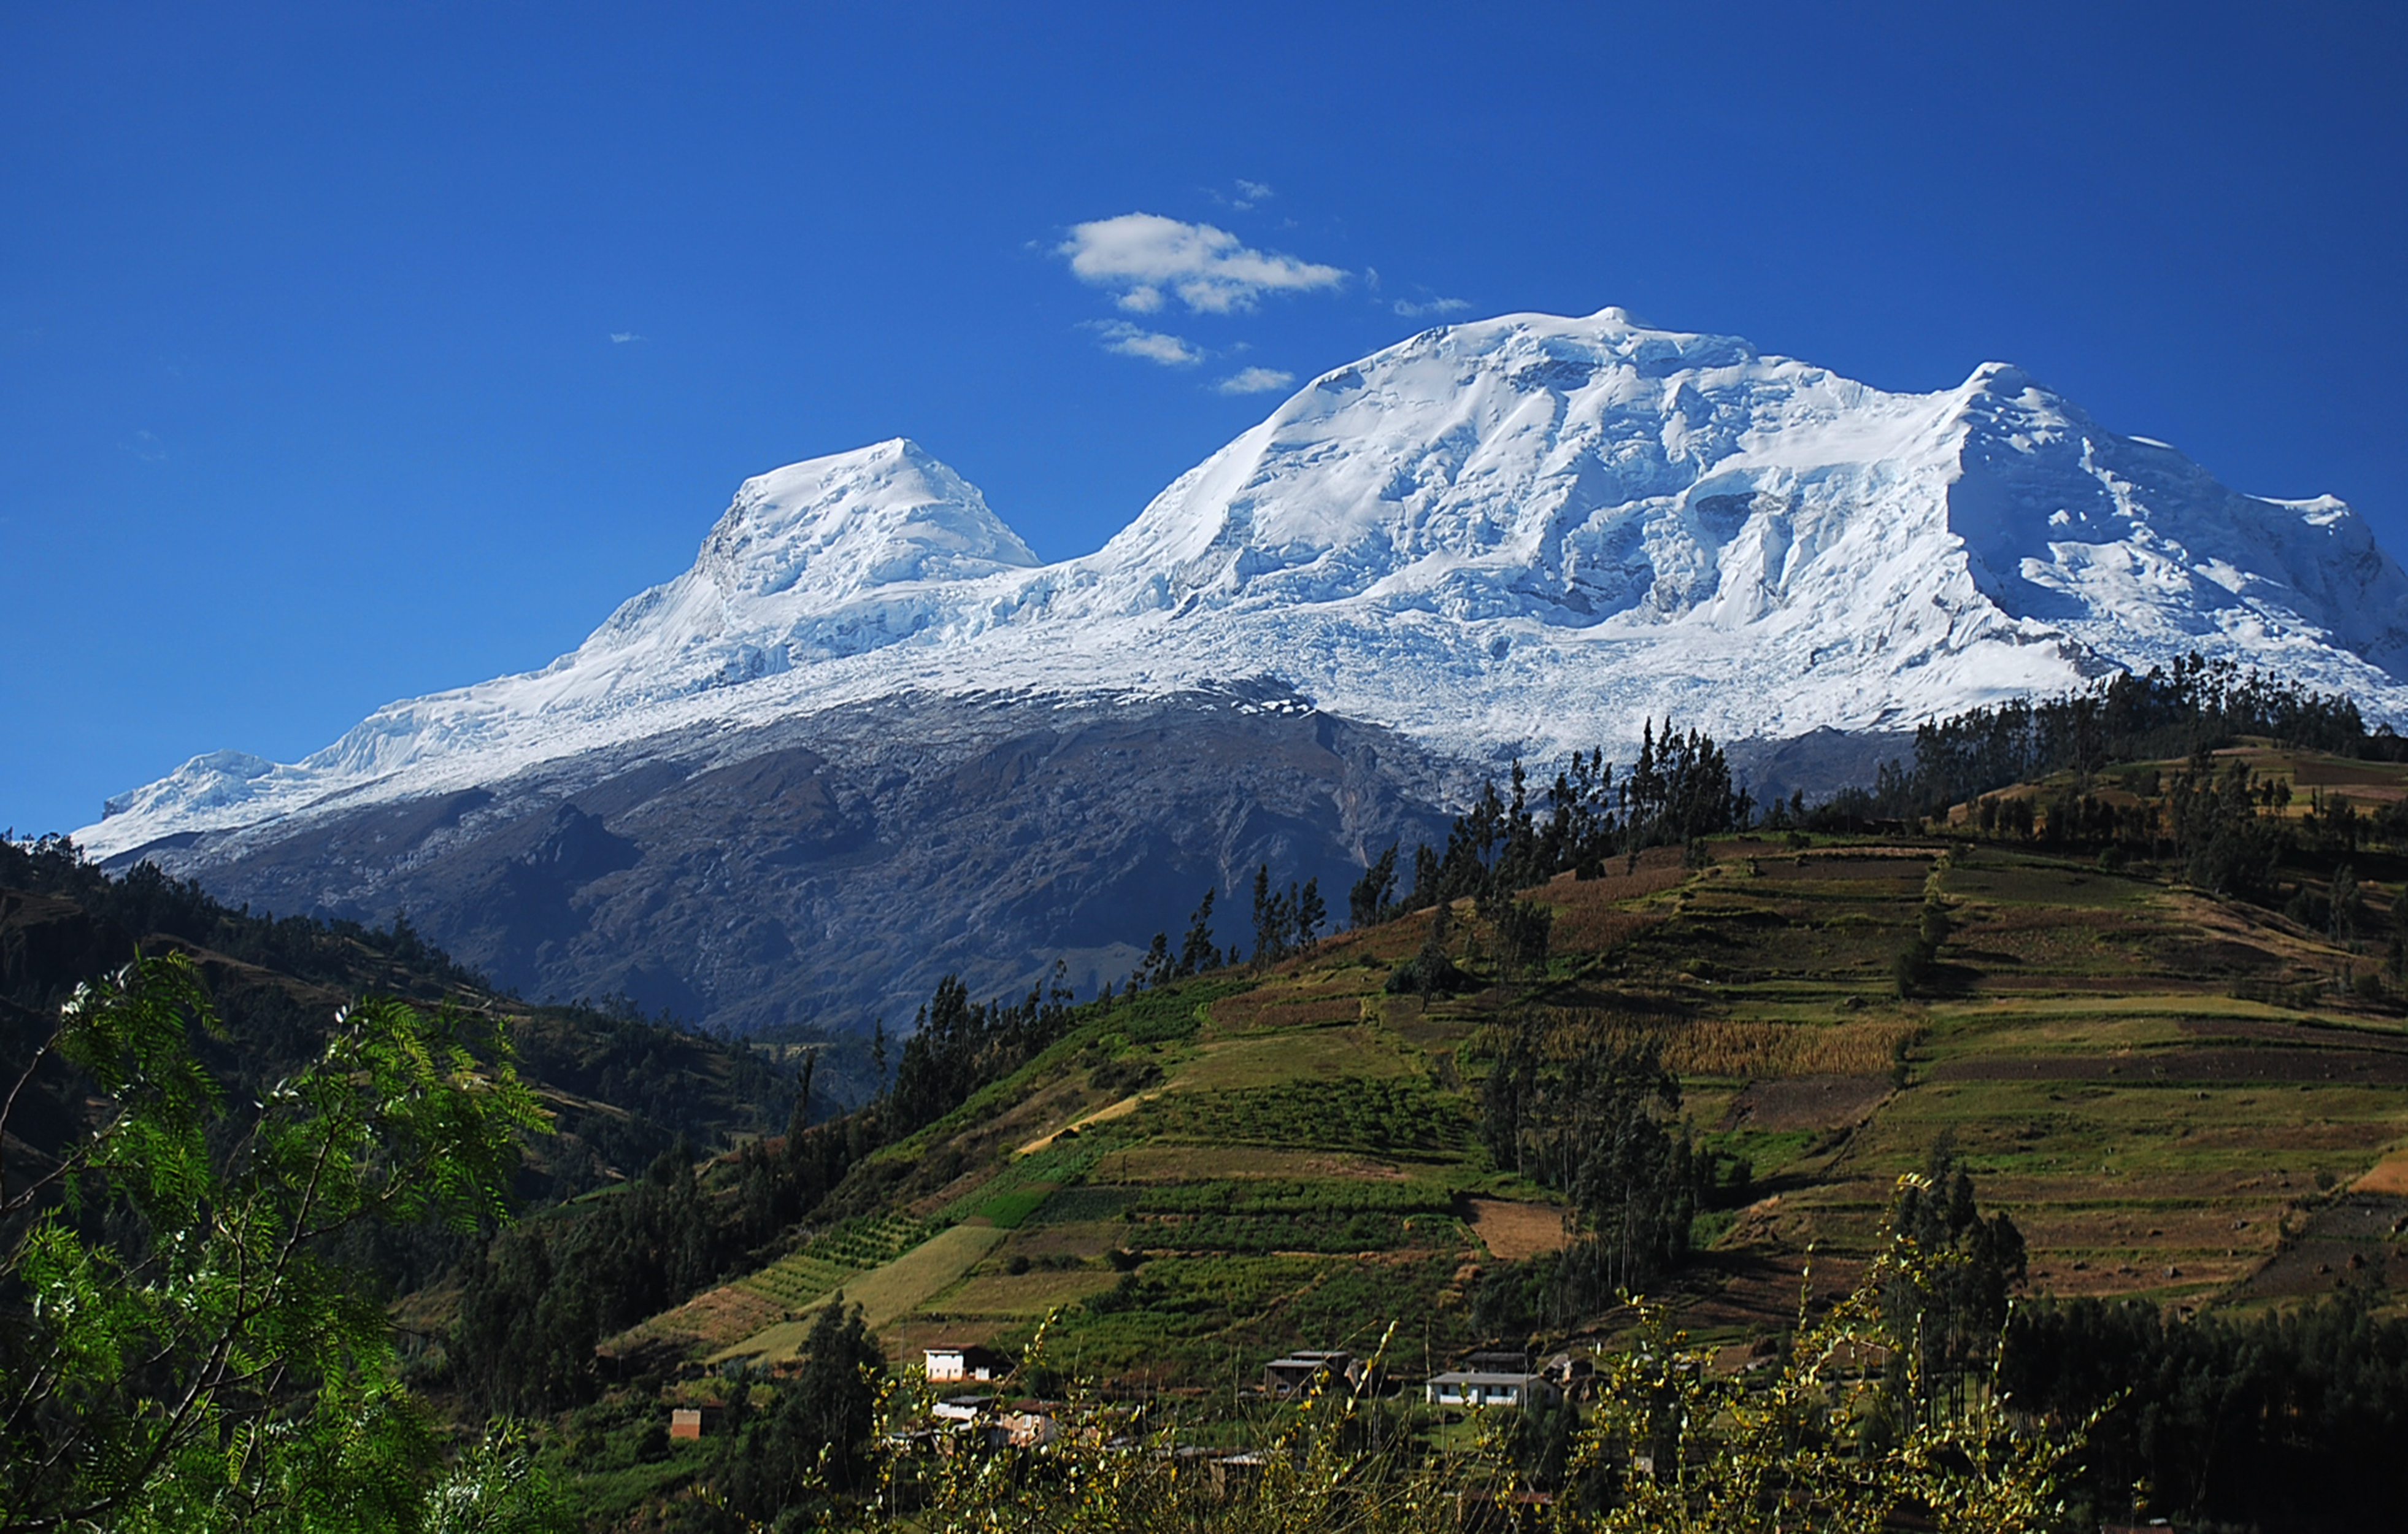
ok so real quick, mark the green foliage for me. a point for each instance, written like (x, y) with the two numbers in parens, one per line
(179, 1353)
(1287, 922)
(2282, 1421)
(499, 1486)
(1280, 1195)
(1076, 1206)
(1601, 1125)
(147, 903)
(812, 1442)
(1279, 1215)
(1951, 1314)
(1166, 1017)
(957, 1046)
(1386, 1115)
(1119, 1078)
(1196, 951)
(1430, 972)
(2185, 710)
(1523, 929)
(625, 1087)
(1373, 898)
(1010, 1210)
(540, 1299)
(1679, 790)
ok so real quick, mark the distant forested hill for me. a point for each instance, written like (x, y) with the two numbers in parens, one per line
(623, 1088)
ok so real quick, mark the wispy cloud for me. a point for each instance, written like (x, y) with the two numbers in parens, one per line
(144, 447)
(1411, 310)
(1245, 198)
(1152, 345)
(621, 338)
(1144, 257)
(1254, 380)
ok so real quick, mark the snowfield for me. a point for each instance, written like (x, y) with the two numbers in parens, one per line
(1522, 534)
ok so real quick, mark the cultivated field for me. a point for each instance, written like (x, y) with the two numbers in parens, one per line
(2171, 1094)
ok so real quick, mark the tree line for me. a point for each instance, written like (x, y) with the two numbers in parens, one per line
(1599, 1123)
(2188, 710)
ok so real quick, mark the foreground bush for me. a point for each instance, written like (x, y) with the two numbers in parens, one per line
(178, 1351)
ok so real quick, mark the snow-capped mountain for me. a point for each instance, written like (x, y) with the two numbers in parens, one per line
(868, 737)
(1526, 534)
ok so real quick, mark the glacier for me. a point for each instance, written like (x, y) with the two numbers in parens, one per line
(1520, 536)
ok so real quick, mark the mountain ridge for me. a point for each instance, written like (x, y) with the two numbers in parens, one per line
(1450, 538)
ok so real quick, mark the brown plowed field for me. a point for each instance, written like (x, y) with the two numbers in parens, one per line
(2368, 1066)
(1806, 1102)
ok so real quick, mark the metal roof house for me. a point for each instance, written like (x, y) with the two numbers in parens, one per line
(1481, 1387)
(1299, 1372)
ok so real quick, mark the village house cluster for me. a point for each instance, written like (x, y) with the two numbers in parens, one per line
(981, 1421)
(984, 1420)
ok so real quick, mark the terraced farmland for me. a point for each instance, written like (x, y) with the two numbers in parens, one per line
(2172, 1095)
(829, 1262)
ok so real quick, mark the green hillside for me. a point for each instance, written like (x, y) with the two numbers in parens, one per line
(2163, 1088)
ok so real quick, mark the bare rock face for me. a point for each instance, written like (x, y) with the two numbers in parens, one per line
(833, 868)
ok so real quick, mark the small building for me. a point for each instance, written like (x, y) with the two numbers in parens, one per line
(1028, 1429)
(1233, 1472)
(962, 1408)
(1483, 1387)
(691, 1421)
(1300, 1373)
(947, 1363)
(1571, 1373)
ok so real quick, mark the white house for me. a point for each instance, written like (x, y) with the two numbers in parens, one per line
(946, 1363)
(1478, 1387)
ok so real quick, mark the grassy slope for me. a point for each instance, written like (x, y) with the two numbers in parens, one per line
(1304, 1170)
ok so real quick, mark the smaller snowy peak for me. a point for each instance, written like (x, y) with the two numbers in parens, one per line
(822, 558)
(212, 780)
(2135, 551)
(842, 524)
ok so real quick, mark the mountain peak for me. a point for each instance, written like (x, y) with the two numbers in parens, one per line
(840, 524)
(1528, 531)
(823, 557)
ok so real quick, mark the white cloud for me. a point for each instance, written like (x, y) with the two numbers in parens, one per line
(1152, 345)
(1145, 255)
(1254, 380)
(1247, 195)
(1436, 305)
(621, 338)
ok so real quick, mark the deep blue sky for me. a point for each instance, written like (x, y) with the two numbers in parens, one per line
(308, 395)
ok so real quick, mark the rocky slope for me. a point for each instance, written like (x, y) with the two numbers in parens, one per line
(836, 866)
